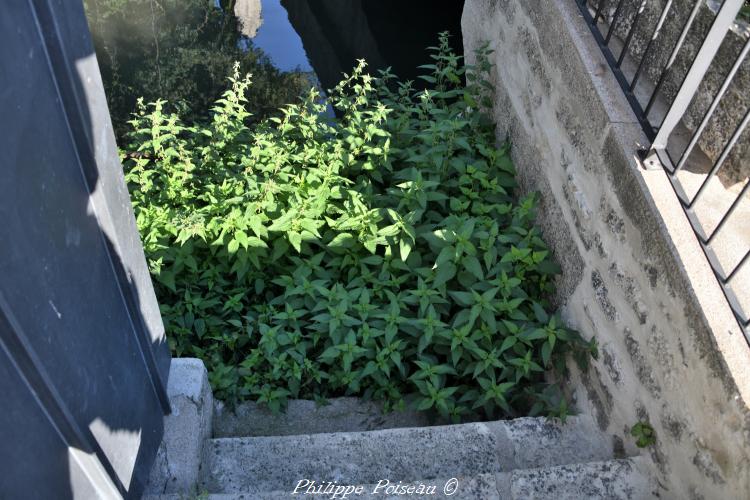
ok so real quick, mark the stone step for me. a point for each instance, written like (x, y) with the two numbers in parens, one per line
(278, 463)
(306, 417)
(621, 479)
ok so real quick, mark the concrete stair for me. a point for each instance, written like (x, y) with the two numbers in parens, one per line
(611, 479)
(522, 458)
(256, 455)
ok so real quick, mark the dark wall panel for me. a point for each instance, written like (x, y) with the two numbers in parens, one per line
(77, 312)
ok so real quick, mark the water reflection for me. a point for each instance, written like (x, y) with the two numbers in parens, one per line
(183, 50)
(277, 38)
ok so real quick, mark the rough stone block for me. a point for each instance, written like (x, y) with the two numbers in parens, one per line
(610, 480)
(538, 442)
(186, 429)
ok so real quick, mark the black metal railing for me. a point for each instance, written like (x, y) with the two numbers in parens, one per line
(644, 70)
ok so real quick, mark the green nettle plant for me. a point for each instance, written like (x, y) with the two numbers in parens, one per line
(644, 434)
(380, 253)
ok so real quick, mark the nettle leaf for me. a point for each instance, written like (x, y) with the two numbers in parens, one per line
(472, 265)
(167, 278)
(330, 354)
(342, 241)
(241, 238)
(463, 298)
(546, 353)
(380, 253)
(372, 260)
(295, 239)
(446, 256)
(444, 274)
(540, 314)
(405, 247)
(508, 343)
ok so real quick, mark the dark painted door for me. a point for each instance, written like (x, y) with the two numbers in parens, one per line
(83, 358)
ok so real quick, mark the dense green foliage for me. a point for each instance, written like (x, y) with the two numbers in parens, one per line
(380, 254)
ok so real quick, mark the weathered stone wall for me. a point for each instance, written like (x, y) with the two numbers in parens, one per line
(633, 275)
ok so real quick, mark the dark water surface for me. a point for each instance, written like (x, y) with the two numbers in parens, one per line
(183, 50)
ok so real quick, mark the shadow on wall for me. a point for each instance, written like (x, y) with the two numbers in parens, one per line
(83, 358)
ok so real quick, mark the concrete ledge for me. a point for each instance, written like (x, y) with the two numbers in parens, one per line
(178, 461)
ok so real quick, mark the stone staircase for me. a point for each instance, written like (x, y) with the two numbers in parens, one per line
(350, 444)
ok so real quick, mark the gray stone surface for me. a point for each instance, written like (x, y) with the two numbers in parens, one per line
(481, 486)
(622, 479)
(250, 16)
(610, 480)
(305, 417)
(278, 463)
(186, 429)
(192, 466)
(633, 274)
(538, 442)
(469, 461)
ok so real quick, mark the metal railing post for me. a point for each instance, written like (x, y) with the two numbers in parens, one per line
(720, 27)
(657, 156)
